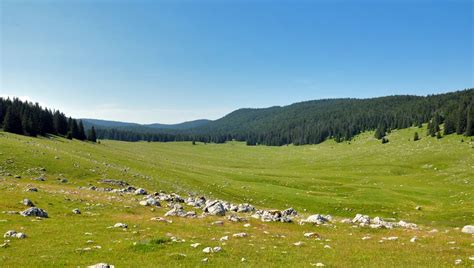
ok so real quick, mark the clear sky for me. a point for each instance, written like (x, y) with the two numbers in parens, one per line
(171, 61)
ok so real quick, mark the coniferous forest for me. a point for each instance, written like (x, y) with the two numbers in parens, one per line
(30, 119)
(308, 122)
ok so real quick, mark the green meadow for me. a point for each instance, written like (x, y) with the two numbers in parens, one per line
(340, 179)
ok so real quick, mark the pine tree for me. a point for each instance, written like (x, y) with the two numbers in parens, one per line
(12, 122)
(470, 120)
(416, 137)
(461, 119)
(91, 135)
(81, 135)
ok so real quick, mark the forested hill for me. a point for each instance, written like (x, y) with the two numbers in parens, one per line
(312, 122)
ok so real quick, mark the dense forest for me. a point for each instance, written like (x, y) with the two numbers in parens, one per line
(308, 122)
(31, 119)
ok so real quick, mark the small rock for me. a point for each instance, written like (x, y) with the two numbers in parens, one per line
(207, 250)
(414, 239)
(102, 265)
(217, 249)
(299, 243)
(224, 238)
(468, 229)
(195, 245)
(76, 211)
(20, 235)
(120, 225)
(240, 235)
(457, 262)
(205, 260)
(27, 202)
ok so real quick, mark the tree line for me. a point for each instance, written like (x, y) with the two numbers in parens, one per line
(309, 122)
(27, 118)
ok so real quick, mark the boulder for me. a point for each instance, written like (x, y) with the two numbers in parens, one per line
(34, 211)
(215, 208)
(289, 212)
(468, 229)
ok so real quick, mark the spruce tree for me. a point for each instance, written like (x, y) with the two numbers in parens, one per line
(416, 137)
(12, 122)
(470, 120)
(81, 135)
(91, 135)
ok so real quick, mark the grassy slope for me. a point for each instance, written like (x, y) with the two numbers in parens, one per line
(339, 179)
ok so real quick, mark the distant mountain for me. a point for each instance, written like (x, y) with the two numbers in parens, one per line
(98, 123)
(181, 126)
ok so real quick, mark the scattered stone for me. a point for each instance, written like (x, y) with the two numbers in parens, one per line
(120, 225)
(33, 189)
(207, 250)
(217, 249)
(311, 235)
(150, 202)
(102, 265)
(20, 235)
(17, 177)
(418, 208)
(366, 238)
(218, 223)
(224, 238)
(247, 225)
(299, 243)
(10, 233)
(205, 260)
(414, 239)
(319, 264)
(27, 202)
(76, 211)
(457, 262)
(240, 235)
(140, 191)
(243, 260)
(316, 219)
(195, 245)
(327, 246)
(177, 210)
(236, 218)
(468, 229)
(34, 211)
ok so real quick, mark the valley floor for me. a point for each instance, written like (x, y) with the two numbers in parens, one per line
(363, 176)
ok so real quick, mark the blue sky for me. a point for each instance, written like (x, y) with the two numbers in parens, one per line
(171, 61)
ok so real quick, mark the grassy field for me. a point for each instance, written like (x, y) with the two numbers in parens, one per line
(363, 176)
